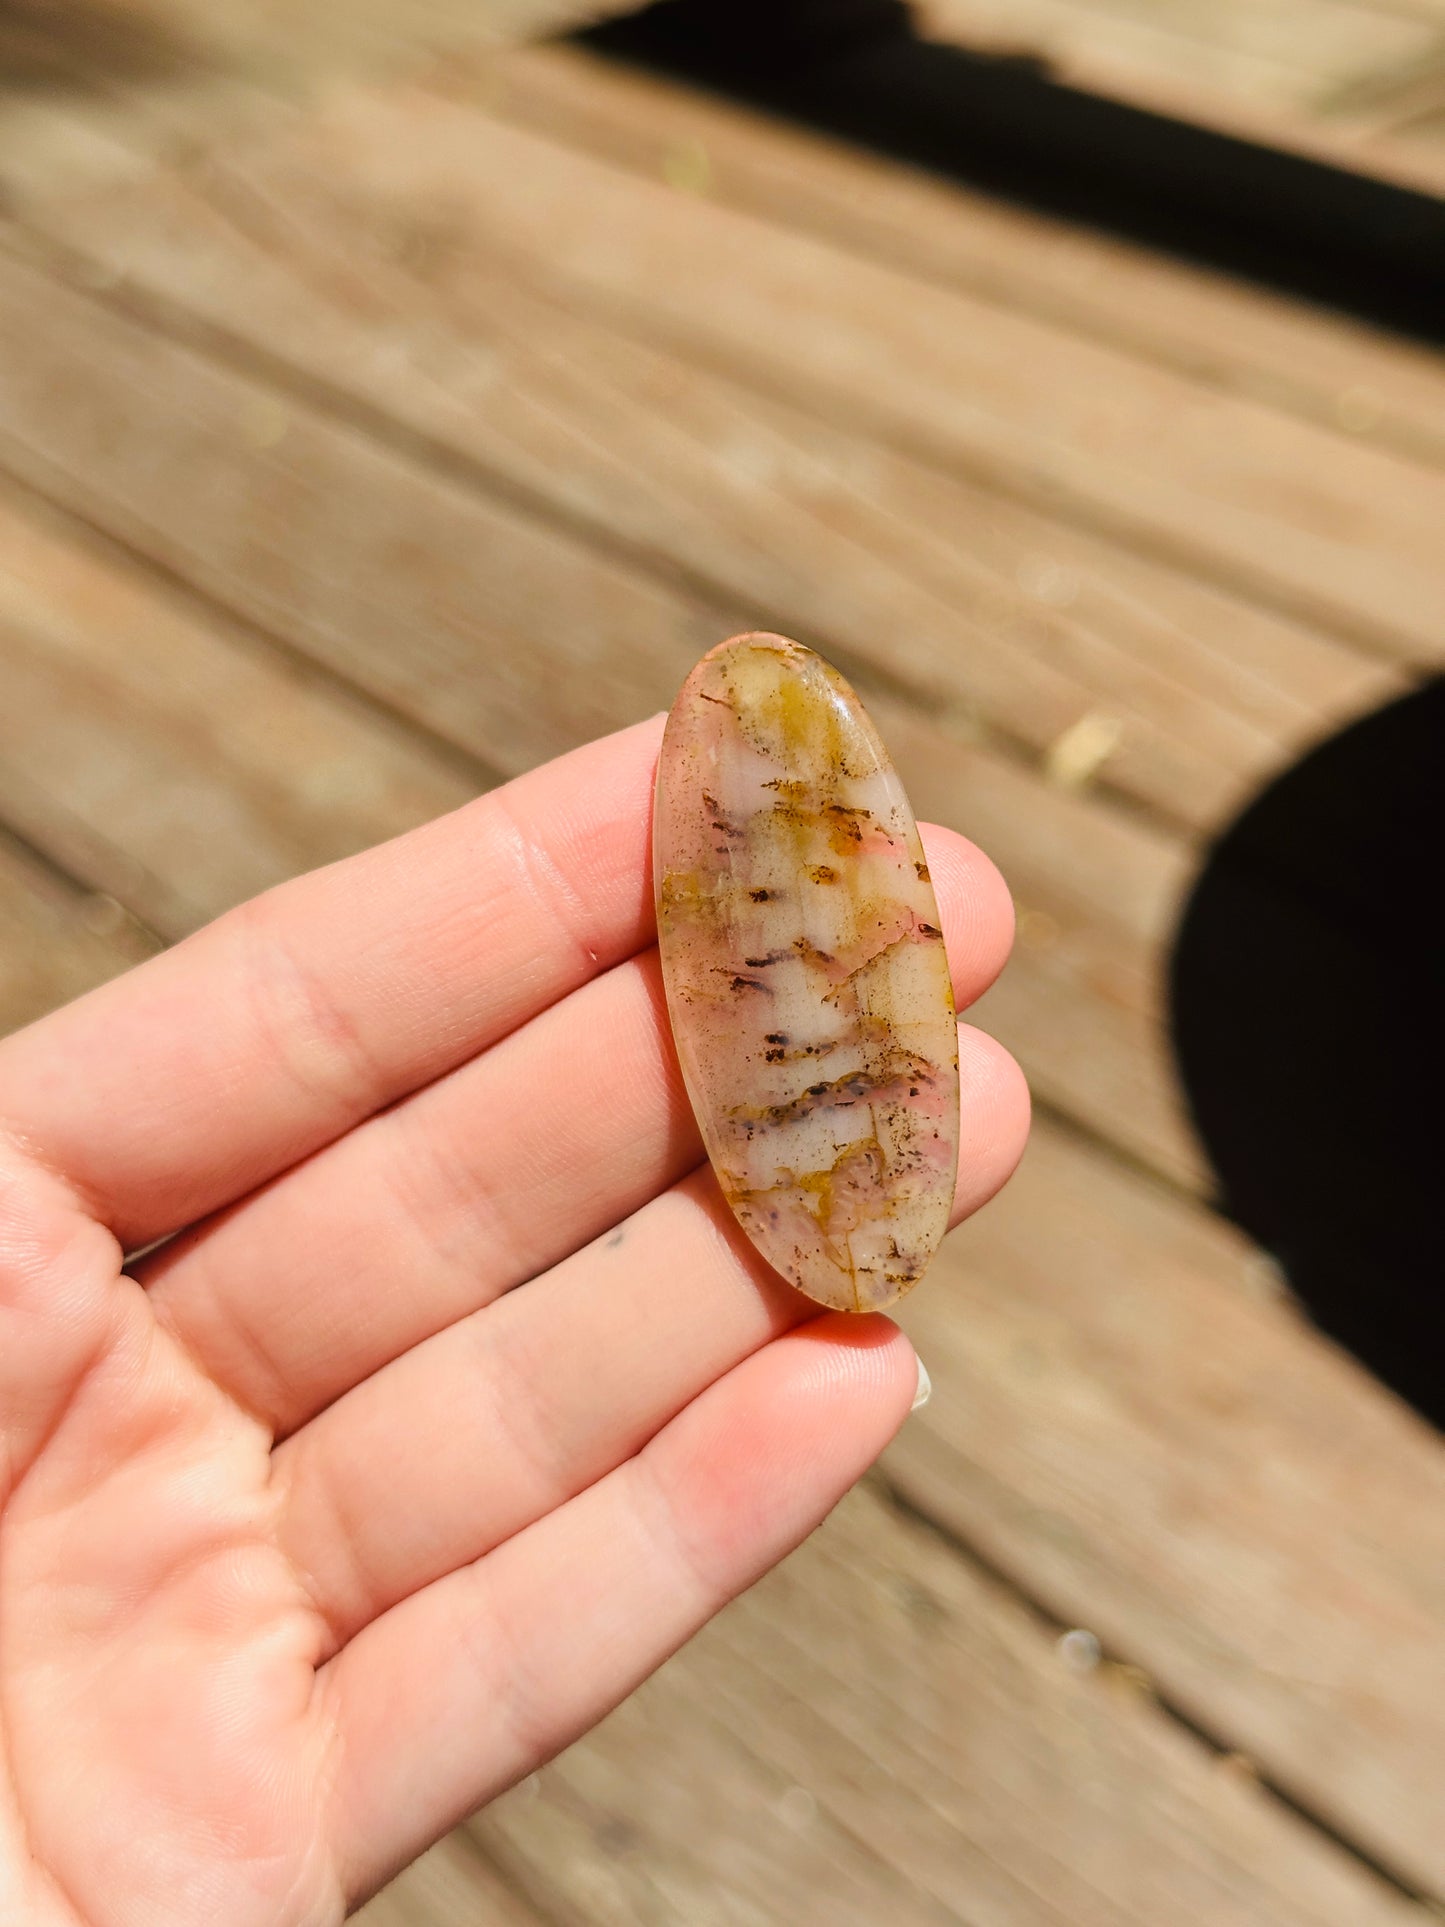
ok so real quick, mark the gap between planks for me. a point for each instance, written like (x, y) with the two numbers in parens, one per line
(117, 672)
(1222, 332)
(58, 937)
(1047, 1619)
(432, 429)
(947, 350)
(1202, 324)
(451, 460)
(470, 672)
(600, 126)
(86, 532)
(952, 1768)
(436, 448)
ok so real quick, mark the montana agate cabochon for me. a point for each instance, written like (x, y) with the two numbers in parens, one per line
(806, 977)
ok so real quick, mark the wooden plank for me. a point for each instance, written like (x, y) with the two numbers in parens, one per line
(1117, 1082)
(999, 615)
(1304, 520)
(89, 127)
(167, 759)
(330, 34)
(1215, 330)
(1062, 423)
(56, 940)
(877, 1732)
(1132, 1422)
(87, 106)
(101, 93)
(452, 1886)
(521, 641)
(175, 43)
(422, 590)
(1309, 76)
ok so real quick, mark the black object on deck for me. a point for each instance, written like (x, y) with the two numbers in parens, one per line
(857, 69)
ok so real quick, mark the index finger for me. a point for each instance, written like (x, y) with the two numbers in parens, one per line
(181, 1086)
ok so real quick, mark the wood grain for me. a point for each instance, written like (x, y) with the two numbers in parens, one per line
(1011, 620)
(175, 764)
(879, 1732)
(1288, 55)
(416, 438)
(1007, 615)
(452, 1886)
(1108, 880)
(522, 640)
(1207, 326)
(1214, 482)
(56, 940)
(1132, 1420)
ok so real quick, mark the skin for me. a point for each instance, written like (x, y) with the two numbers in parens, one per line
(293, 1511)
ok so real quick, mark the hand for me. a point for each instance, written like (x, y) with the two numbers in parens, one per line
(315, 1532)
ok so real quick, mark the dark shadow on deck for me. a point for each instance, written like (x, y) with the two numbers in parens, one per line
(1309, 1016)
(855, 68)
(1309, 974)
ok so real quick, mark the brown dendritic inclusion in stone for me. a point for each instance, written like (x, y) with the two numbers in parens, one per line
(806, 978)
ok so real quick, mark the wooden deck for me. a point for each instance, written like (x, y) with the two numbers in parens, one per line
(373, 427)
(1354, 83)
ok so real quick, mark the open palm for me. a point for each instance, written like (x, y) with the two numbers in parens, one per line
(315, 1531)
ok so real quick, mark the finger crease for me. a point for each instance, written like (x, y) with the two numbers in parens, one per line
(327, 1601)
(523, 1424)
(545, 885)
(664, 1526)
(304, 1028)
(497, 1651)
(425, 1177)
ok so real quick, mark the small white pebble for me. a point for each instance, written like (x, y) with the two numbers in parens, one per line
(103, 915)
(1079, 1650)
(1076, 756)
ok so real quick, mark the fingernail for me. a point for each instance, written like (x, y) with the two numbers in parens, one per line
(925, 1387)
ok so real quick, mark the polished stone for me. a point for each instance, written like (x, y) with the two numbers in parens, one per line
(806, 978)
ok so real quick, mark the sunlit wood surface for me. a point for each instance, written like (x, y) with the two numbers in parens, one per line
(383, 411)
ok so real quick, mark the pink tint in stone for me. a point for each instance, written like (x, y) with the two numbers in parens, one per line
(805, 971)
